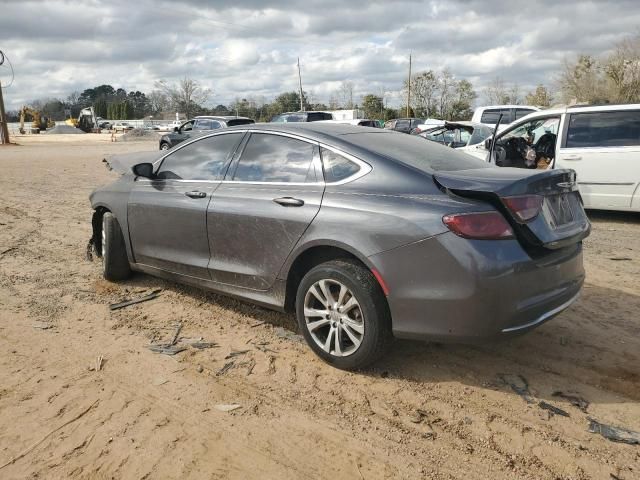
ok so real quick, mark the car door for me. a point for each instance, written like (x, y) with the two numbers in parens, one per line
(269, 197)
(167, 215)
(603, 147)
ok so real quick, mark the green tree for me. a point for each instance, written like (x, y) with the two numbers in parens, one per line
(372, 106)
(100, 107)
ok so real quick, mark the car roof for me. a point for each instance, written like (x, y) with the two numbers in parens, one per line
(352, 121)
(222, 117)
(485, 107)
(306, 111)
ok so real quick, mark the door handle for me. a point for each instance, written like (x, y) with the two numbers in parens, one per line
(195, 194)
(289, 202)
(572, 157)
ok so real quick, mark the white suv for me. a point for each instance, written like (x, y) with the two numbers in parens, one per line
(602, 144)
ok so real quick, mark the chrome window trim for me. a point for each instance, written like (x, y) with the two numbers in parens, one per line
(365, 168)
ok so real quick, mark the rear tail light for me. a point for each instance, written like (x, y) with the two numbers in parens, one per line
(481, 225)
(525, 207)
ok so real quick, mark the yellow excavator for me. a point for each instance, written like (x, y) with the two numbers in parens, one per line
(39, 122)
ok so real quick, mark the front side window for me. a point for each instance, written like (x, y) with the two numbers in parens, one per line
(337, 167)
(604, 129)
(530, 145)
(205, 159)
(276, 158)
(186, 127)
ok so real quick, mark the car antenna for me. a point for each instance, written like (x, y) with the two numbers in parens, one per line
(493, 139)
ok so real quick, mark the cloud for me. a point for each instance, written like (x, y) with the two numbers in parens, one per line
(250, 48)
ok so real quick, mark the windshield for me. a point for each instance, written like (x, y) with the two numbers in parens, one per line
(290, 117)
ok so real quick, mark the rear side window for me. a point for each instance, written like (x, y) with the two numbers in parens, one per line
(239, 121)
(491, 116)
(290, 117)
(604, 129)
(274, 158)
(337, 167)
(317, 116)
(206, 124)
(204, 159)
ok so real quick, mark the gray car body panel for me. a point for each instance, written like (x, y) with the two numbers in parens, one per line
(441, 286)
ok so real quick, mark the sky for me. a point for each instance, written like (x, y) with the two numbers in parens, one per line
(242, 49)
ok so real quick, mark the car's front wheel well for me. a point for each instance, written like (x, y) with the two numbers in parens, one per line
(96, 224)
(305, 262)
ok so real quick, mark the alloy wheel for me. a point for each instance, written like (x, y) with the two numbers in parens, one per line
(333, 317)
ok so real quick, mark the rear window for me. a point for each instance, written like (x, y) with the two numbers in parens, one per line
(239, 121)
(414, 151)
(604, 129)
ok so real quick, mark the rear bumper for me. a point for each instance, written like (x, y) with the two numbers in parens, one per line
(450, 289)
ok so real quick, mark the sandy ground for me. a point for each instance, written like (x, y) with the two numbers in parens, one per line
(425, 411)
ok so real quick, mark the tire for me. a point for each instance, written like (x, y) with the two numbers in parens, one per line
(368, 322)
(164, 146)
(115, 264)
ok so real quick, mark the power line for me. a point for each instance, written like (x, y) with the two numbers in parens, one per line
(3, 57)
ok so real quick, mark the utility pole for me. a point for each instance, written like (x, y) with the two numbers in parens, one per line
(409, 88)
(4, 129)
(300, 82)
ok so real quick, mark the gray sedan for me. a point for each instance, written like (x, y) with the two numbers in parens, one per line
(365, 234)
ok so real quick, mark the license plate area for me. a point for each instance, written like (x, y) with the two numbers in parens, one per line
(561, 209)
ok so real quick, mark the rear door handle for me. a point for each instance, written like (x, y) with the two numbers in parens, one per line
(572, 157)
(289, 202)
(195, 194)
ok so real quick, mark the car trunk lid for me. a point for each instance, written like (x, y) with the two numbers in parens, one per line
(560, 219)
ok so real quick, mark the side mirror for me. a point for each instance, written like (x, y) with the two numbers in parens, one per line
(143, 170)
(175, 129)
(487, 143)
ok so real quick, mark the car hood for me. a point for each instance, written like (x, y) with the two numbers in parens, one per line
(122, 163)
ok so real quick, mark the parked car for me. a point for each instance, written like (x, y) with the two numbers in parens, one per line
(151, 127)
(296, 117)
(489, 115)
(404, 125)
(460, 135)
(361, 122)
(363, 233)
(122, 127)
(199, 126)
(105, 125)
(601, 143)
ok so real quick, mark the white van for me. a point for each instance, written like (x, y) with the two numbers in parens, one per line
(602, 144)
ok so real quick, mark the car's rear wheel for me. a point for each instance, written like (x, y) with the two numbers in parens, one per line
(343, 314)
(115, 264)
(164, 146)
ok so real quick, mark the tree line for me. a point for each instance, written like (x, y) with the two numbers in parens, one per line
(612, 78)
